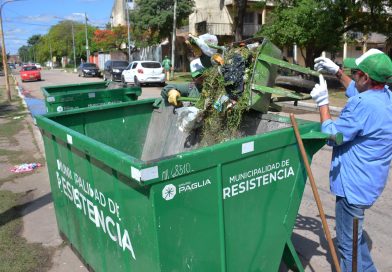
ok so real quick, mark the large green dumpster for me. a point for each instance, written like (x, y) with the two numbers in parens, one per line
(124, 206)
(74, 96)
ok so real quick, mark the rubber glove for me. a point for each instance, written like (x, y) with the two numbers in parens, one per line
(320, 92)
(172, 97)
(326, 65)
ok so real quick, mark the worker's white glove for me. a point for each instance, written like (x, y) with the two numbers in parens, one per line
(320, 92)
(326, 65)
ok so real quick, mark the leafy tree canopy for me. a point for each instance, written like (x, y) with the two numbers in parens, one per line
(110, 39)
(152, 21)
(34, 40)
(319, 25)
(58, 41)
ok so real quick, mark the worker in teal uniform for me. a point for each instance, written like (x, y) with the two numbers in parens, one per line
(166, 63)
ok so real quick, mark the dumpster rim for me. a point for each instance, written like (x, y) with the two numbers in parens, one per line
(125, 163)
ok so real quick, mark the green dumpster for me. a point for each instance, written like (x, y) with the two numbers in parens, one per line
(132, 203)
(75, 96)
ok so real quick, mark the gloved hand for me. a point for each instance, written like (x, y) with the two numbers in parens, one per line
(320, 92)
(172, 97)
(326, 65)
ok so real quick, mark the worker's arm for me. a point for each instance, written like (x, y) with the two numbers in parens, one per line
(343, 78)
(326, 65)
(324, 113)
(320, 96)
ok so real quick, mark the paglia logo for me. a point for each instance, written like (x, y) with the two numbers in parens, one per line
(169, 191)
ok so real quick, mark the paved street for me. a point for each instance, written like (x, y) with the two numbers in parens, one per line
(58, 77)
(40, 225)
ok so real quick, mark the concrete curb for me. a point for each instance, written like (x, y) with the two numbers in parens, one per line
(311, 107)
(36, 132)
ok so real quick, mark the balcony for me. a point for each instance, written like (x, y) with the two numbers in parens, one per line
(213, 28)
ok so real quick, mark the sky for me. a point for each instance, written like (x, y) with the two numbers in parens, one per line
(23, 19)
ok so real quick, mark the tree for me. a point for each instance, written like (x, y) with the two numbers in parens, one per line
(240, 10)
(110, 39)
(318, 26)
(152, 21)
(306, 23)
(24, 53)
(58, 41)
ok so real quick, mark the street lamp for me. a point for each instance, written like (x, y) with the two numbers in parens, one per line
(4, 55)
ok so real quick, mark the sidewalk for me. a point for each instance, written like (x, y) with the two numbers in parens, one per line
(35, 206)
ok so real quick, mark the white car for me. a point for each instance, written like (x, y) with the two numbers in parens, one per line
(37, 65)
(144, 72)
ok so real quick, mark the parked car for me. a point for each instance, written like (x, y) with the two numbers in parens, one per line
(144, 72)
(39, 67)
(30, 73)
(88, 69)
(113, 69)
(12, 65)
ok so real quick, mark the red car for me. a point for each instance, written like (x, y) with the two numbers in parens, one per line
(30, 73)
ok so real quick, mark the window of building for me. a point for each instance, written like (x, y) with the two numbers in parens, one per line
(249, 18)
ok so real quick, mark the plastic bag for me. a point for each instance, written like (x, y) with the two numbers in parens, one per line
(203, 40)
(25, 167)
(188, 118)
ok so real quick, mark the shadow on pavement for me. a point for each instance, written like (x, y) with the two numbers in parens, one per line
(6, 109)
(308, 248)
(25, 208)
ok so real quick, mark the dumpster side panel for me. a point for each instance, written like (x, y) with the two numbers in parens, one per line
(107, 218)
(187, 214)
(88, 97)
(122, 128)
(257, 195)
(69, 88)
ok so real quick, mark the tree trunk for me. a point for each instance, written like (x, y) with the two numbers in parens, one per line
(311, 54)
(239, 19)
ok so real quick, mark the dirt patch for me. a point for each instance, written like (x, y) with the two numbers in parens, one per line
(15, 253)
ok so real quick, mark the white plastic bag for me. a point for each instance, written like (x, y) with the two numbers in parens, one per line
(205, 39)
(187, 118)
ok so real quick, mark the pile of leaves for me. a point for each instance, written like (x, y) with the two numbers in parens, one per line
(230, 80)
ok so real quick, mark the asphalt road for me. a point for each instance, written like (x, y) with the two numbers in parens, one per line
(59, 77)
(308, 237)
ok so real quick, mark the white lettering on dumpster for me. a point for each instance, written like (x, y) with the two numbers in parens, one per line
(82, 194)
(190, 186)
(258, 177)
(170, 190)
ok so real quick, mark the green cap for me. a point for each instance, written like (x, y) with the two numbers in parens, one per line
(375, 63)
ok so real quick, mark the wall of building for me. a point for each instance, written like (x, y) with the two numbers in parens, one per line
(118, 13)
(215, 14)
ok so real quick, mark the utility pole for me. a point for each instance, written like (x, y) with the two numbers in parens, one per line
(73, 38)
(128, 25)
(73, 45)
(87, 50)
(3, 52)
(173, 39)
(51, 56)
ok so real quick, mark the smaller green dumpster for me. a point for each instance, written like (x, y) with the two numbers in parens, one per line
(133, 193)
(74, 96)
